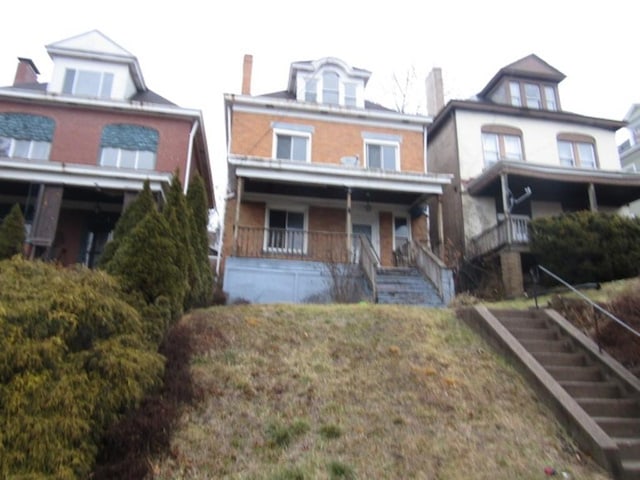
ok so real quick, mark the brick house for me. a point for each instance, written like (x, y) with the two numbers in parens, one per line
(515, 154)
(74, 151)
(319, 175)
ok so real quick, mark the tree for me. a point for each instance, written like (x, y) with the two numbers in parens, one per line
(12, 233)
(133, 214)
(197, 203)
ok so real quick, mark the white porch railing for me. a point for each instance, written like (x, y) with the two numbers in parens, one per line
(434, 269)
(515, 231)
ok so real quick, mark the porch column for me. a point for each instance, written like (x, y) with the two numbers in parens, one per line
(45, 221)
(349, 227)
(593, 201)
(441, 244)
(236, 221)
(504, 186)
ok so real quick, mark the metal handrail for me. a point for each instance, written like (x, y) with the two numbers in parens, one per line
(589, 301)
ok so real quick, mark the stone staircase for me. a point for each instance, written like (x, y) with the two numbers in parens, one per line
(596, 399)
(405, 286)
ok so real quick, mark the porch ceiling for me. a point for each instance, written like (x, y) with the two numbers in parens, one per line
(554, 183)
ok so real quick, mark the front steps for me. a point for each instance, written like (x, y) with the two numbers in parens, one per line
(405, 286)
(596, 399)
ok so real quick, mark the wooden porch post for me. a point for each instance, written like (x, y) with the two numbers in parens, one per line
(441, 229)
(593, 201)
(349, 228)
(504, 184)
(236, 221)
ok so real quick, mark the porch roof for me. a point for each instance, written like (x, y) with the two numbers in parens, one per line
(551, 182)
(329, 175)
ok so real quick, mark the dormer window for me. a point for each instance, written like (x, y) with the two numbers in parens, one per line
(536, 95)
(311, 90)
(350, 90)
(331, 88)
(550, 97)
(534, 98)
(87, 83)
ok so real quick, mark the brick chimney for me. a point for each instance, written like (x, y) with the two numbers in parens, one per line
(247, 66)
(26, 72)
(435, 92)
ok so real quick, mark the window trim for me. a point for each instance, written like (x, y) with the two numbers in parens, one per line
(301, 131)
(101, 84)
(501, 131)
(120, 151)
(382, 143)
(12, 148)
(304, 210)
(575, 139)
(543, 88)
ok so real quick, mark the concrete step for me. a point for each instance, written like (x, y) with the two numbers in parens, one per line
(585, 389)
(631, 469)
(548, 359)
(629, 447)
(546, 346)
(603, 407)
(586, 373)
(620, 427)
(533, 333)
(511, 323)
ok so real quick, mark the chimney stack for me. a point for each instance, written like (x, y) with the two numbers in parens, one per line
(247, 66)
(26, 72)
(435, 92)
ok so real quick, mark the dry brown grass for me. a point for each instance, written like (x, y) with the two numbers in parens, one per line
(360, 391)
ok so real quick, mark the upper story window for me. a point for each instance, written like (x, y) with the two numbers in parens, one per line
(501, 143)
(350, 99)
(331, 88)
(292, 141)
(24, 135)
(382, 151)
(129, 146)
(577, 151)
(311, 90)
(535, 95)
(87, 83)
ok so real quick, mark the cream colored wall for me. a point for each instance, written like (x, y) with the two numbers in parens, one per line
(479, 215)
(539, 138)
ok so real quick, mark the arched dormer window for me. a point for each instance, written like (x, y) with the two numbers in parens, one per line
(24, 135)
(500, 142)
(331, 88)
(129, 146)
(576, 150)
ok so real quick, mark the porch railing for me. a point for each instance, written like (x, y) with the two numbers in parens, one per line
(506, 232)
(369, 261)
(292, 244)
(434, 269)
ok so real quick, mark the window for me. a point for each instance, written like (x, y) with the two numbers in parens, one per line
(501, 143)
(382, 156)
(285, 231)
(550, 98)
(577, 151)
(401, 232)
(129, 146)
(292, 147)
(87, 83)
(311, 90)
(330, 88)
(24, 135)
(532, 92)
(514, 91)
(350, 94)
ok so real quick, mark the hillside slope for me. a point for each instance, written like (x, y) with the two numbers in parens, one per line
(363, 391)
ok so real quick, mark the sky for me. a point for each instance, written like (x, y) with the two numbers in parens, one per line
(191, 51)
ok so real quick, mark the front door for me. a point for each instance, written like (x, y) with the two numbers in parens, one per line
(358, 230)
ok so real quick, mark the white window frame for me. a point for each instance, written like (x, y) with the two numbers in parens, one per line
(8, 144)
(99, 93)
(499, 138)
(337, 92)
(577, 161)
(393, 231)
(305, 228)
(303, 132)
(119, 154)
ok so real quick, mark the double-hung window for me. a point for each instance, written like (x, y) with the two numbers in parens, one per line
(331, 88)
(292, 141)
(25, 135)
(87, 83)
(533, 96)
(382, 151)
(311, 90)
(128, 146)
(577, 151)
(285, 231)
(501, 143)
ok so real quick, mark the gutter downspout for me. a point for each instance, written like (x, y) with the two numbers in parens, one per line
(187, 173)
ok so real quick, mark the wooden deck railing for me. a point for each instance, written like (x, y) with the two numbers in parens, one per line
(498, 236)
(292, 244)
(369, 261)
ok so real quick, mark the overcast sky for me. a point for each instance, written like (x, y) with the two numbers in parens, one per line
(191, 51)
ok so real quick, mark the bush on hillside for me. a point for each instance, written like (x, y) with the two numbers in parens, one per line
(74, 355)
(12, 233)
(587, 247)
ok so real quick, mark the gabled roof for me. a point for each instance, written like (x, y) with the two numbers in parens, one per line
(94, 45)
(529, 67)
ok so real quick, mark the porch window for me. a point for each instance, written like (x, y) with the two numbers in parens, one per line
(501, 143)
(577, 151)
(25, 135)
(285, 231)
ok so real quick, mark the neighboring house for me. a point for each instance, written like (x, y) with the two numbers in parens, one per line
(630, 149)
(318, 175)
(515, 154)
(76, 150)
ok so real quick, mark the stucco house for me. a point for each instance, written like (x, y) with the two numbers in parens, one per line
(74, 151)
(318, 175)
(515, 154)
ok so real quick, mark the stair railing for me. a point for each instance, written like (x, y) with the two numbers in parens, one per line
(369, 261)
(622, 323)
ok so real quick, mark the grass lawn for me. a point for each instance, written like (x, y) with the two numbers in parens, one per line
(359, 391)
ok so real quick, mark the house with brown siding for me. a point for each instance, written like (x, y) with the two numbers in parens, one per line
(74, 151)
(318, 175)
